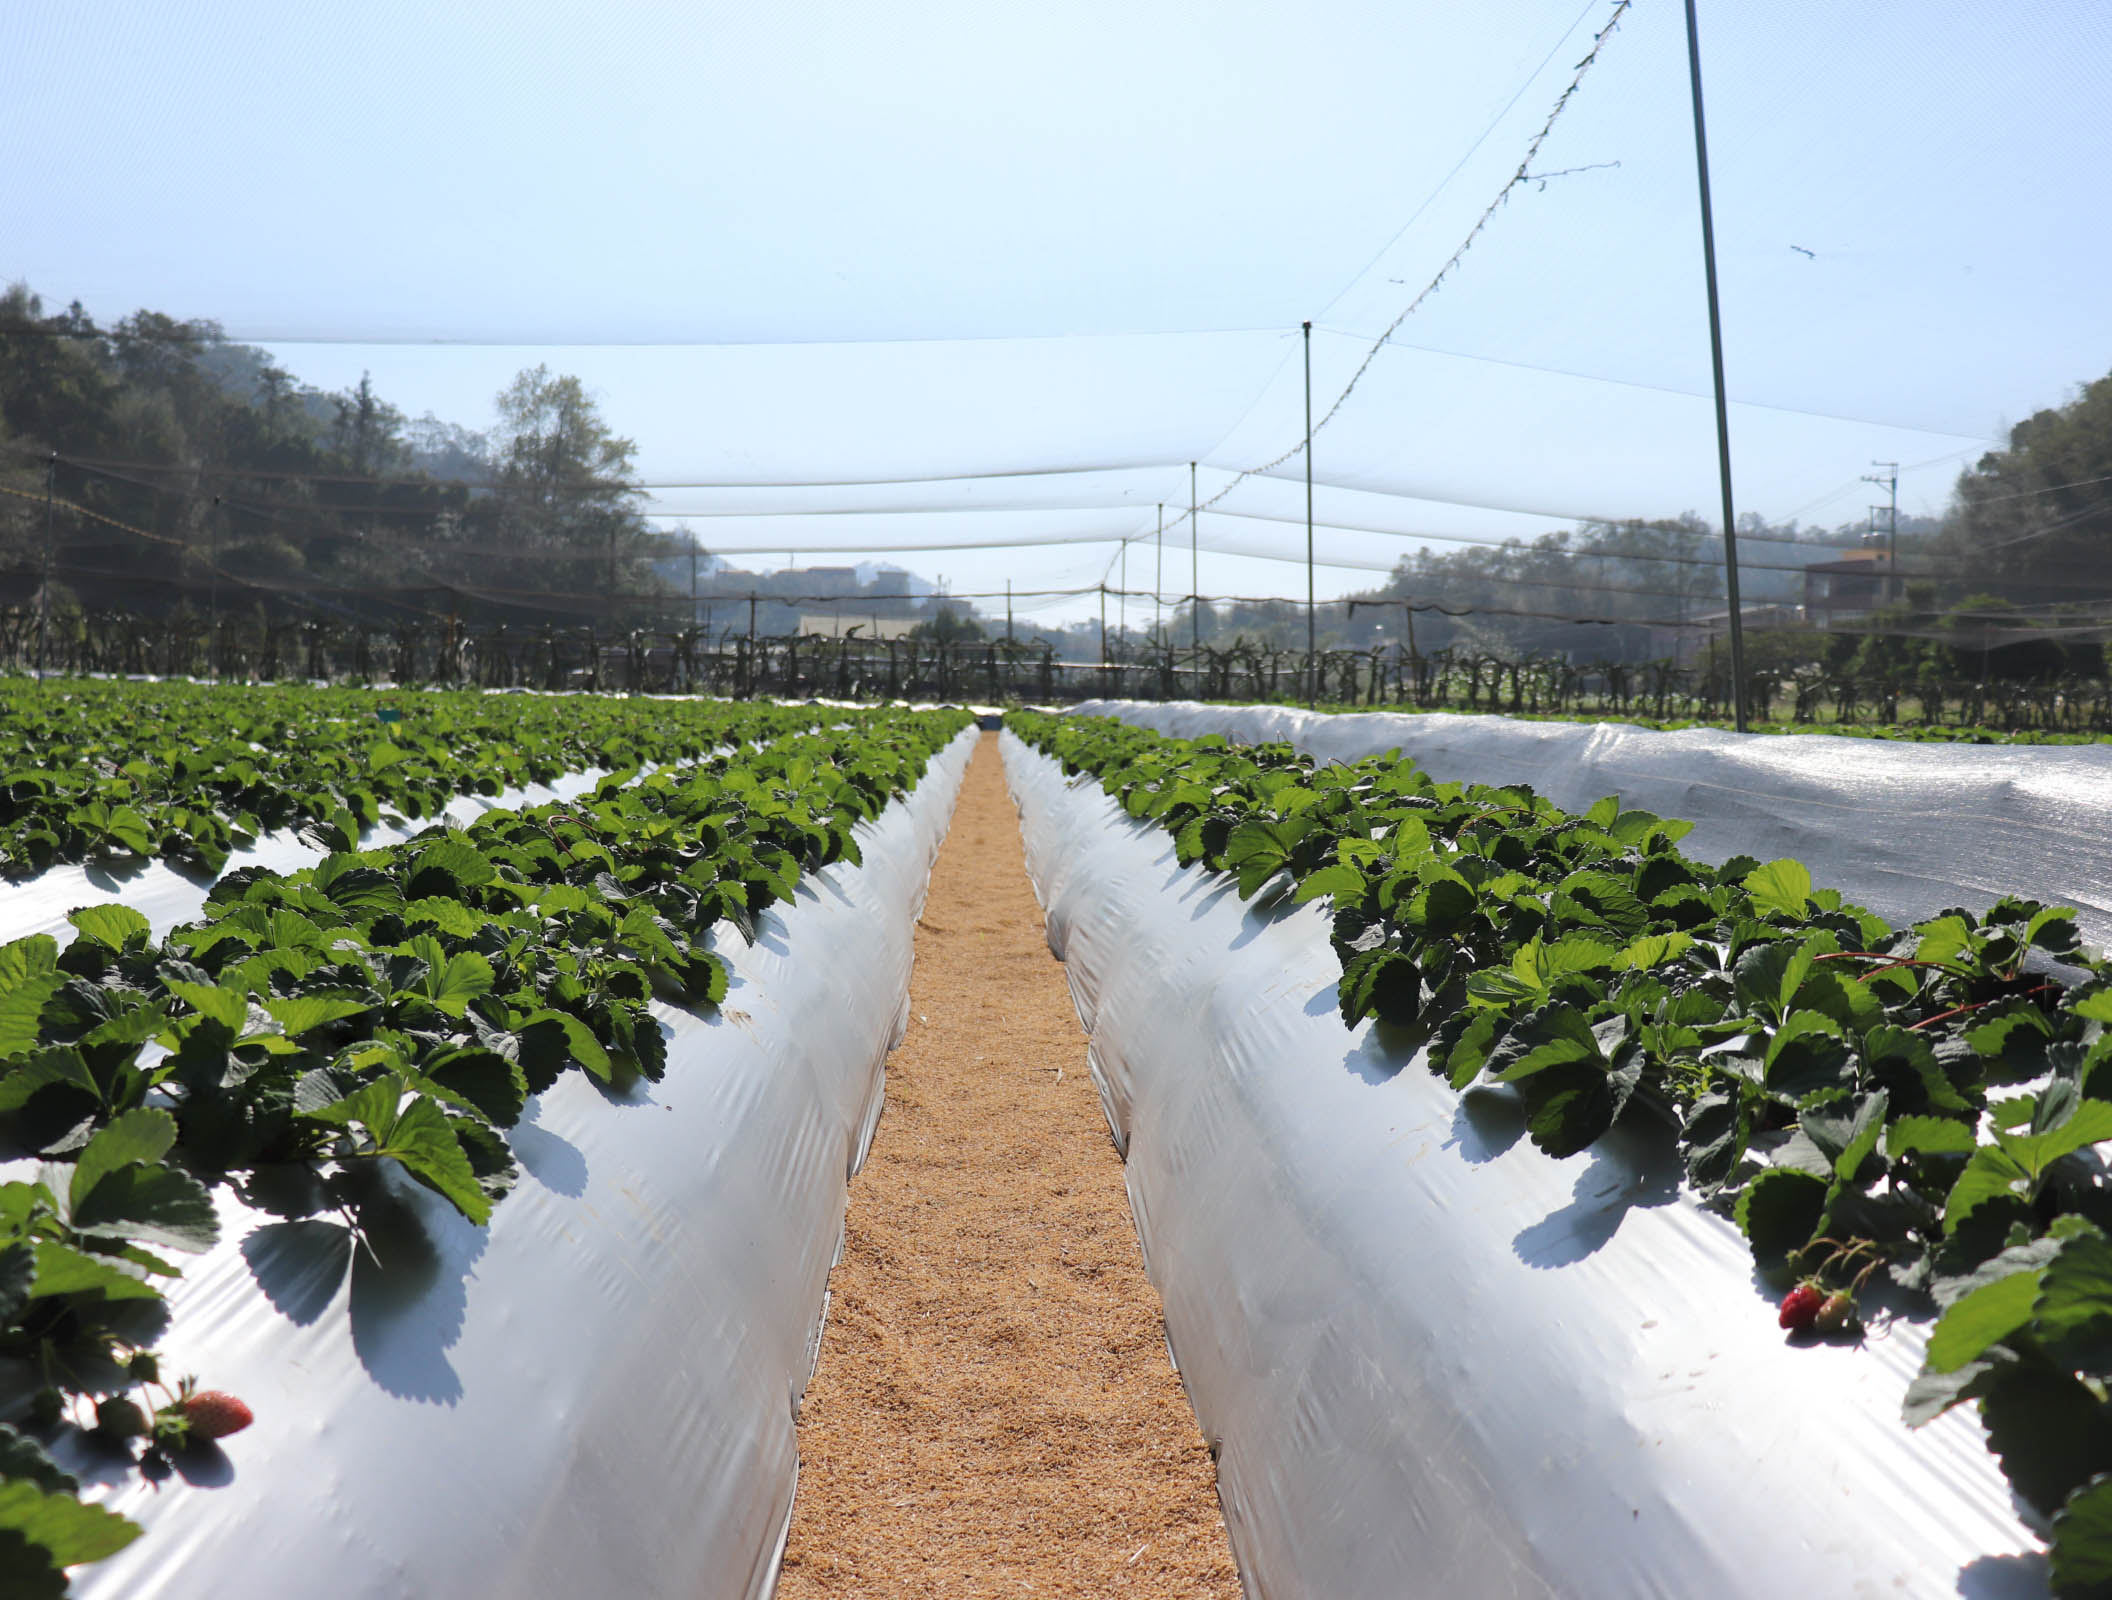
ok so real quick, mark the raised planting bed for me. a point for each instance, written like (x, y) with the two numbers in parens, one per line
(522, 1274)
(1473, 1202)
(1906, 829)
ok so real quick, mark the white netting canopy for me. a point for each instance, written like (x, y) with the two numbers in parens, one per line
(969, 290)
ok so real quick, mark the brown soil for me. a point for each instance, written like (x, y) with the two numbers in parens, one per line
(994, 1412)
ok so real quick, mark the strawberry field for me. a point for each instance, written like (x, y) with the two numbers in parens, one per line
(1831, 1259)
(433, 1111)
(268, 1136)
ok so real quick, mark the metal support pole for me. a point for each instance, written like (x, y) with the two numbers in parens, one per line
(1122, 597)
(51, 479)
(1312, 655)
(212, 563)
(1158, 581)
(1103, 625)
(1195, 570)
(1723, 421)
(1008, 611)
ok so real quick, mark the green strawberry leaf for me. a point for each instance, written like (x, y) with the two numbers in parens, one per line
(2072, 1317)
(1779, 1211)
(23, 1457)
(142, 1135)
(2082, 1540)
(70, 1531)
(29, 977)
(1989, 1313)
(116, 927)
(153, 1204)
(578, 1041)
(1782, 887)
(61, 1269)
(424, 1140)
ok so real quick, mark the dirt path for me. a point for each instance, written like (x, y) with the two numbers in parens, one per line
(994, 1413)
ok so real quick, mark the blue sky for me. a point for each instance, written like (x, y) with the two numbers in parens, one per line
(798, 245)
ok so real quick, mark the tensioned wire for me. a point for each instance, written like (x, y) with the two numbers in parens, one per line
(264, 510)
(1537, 554)
(1521, 175)
(341, 535)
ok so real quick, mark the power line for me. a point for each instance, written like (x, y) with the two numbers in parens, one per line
(1518, 177)
(1445, 182)
(1660, 388)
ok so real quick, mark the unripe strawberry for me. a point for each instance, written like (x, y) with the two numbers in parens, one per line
(1800, 1307)
(214, 1413)
(1837, 1312)
(119, 1418)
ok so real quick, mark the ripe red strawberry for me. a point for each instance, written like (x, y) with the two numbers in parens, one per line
(214, 1413)
(1800, 1307)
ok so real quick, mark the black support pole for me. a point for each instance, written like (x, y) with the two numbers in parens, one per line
(1195, 573)
(1312, 633)
(1723, 422)
(212, 627)
(51, 480)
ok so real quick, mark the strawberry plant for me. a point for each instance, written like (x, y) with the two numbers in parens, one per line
(1905, 1113)
(390, 1006)
(115, 771)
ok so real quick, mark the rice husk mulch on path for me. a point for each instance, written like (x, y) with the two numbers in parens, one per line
(994, 1412)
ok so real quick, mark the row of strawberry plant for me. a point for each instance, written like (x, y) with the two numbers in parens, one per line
(393, 1005)
(1895, 1117)
(1885, 732)
(100, 770)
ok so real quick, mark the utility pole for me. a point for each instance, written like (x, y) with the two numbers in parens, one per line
(51, 479)
(1195, 571)
(1312, 651)
(1889, 480)
(1723, 422)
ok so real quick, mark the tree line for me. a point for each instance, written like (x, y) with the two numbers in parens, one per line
(154, 465)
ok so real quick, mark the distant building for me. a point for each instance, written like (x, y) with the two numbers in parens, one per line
(1851, 588)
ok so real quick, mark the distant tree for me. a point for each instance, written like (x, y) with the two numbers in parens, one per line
(948, 627)
(563, 520)
(369, 430)
(230, 464)
(2039, 512)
